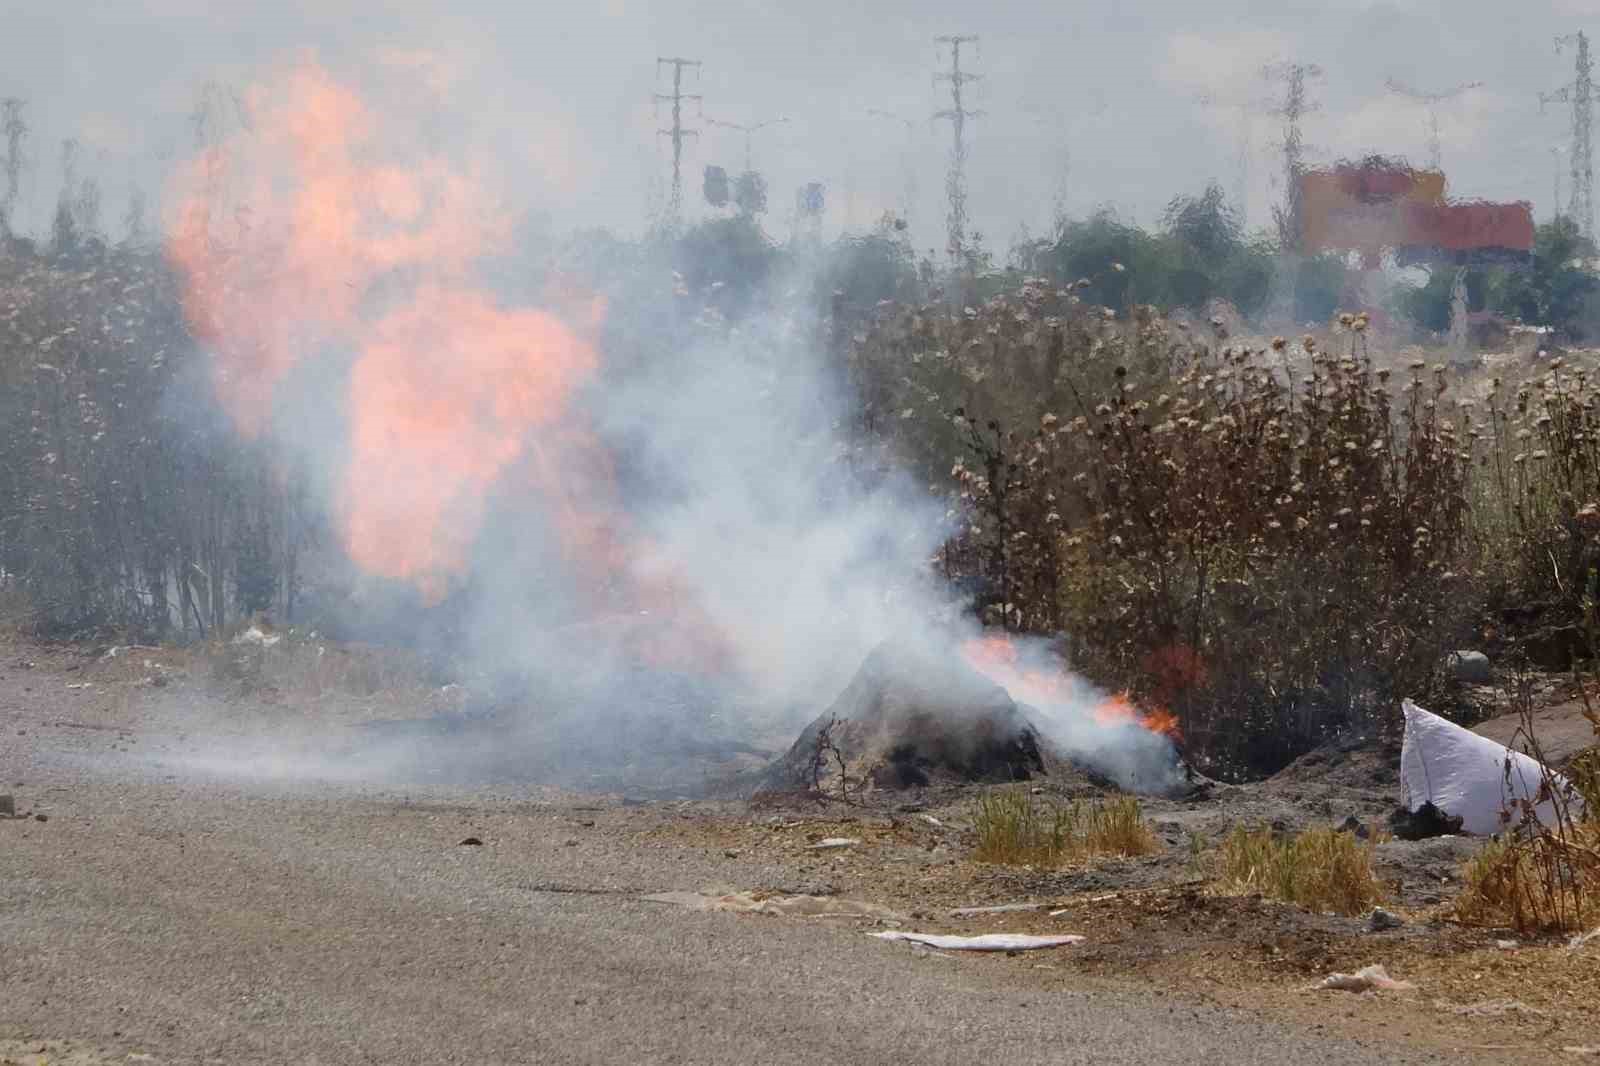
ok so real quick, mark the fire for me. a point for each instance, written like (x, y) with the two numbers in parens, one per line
(998, 658)
(350, 245)
(1120, 709)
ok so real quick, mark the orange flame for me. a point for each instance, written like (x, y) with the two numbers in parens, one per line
(348, 249)
(997, 658)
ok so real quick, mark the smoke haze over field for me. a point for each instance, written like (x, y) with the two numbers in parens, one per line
(561, 93)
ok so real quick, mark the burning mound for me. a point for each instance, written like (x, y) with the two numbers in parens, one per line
(910, 718)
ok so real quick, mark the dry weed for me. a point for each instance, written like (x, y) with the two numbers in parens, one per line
(1541, 884)
(1321, 870)
(1016, 829)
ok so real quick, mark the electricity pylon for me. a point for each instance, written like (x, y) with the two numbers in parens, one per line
(1580, 94)
(957, 113)
(677, 131)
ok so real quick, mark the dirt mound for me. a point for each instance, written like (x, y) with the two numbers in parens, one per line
(911, 718)
(1351, 763)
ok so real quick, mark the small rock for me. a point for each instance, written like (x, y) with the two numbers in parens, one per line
(831, 843)
(41, 817)
(1354, 825)
(1469, 667)
(8, 805)
(572, 843)
(473, 842)
(1381, 920)
(1506, 945)
(729, 853)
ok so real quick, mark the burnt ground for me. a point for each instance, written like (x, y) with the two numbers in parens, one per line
(1156, 923)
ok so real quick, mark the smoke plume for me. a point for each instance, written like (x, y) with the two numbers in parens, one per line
(635, 539)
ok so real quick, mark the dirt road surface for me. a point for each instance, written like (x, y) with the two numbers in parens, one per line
(165, 914)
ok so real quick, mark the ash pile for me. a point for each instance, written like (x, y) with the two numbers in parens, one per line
(917, 718)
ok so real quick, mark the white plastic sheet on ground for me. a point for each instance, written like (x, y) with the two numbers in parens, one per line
(1466, 775)
(986, 942)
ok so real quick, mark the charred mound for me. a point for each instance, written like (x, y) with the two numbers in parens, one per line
(910, 718)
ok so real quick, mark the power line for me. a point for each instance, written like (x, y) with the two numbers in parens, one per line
(1432, 100)
(957, 113)
(1580, 94)
(677, 131)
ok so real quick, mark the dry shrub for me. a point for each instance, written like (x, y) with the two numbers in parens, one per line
(1539, 508)
(1015, 829)
(1537, 884)
(1270, 542)
(1542, 874)
(1321, 869)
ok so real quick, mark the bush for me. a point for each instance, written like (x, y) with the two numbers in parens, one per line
(1013, 828)
(1268, 541)
(1321, 870)
(1539, 884)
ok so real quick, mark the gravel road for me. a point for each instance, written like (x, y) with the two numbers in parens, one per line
(182, 916)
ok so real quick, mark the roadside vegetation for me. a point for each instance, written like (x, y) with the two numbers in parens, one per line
(1016, 828)
(1321, 869)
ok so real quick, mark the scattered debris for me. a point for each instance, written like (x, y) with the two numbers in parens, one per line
(985, 942)
(1583, 938)
(1423, 823)
(257, 636)
(931, 820)
(787, 906)
(1367, 979)
(1381, 920)
(1506, 945)
(834, 842)
(473, 842)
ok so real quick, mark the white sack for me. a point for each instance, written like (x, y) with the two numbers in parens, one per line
(1465, 775)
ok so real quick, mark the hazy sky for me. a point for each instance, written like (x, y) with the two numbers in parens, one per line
(1096, 104)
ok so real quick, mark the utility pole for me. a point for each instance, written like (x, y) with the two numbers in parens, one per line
(1295, 107)
(1580, 94)
(1432, 100)
(957, 113)
(15, 129)
(908, 191)
(677, 131)
(749, 132)
(1556, 151)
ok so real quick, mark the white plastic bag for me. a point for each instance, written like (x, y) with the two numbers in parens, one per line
(983, 942)
(1466, 775)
